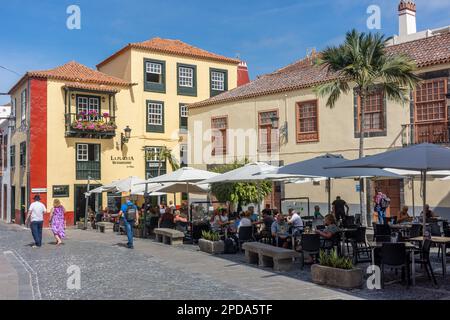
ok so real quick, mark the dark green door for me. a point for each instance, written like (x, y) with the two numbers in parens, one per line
(23, 196)
(13, 203)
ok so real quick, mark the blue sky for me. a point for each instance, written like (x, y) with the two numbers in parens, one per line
(268, 34)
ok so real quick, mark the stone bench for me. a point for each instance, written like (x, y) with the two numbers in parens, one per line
(169, 236)
(103, 226)
(269, 256)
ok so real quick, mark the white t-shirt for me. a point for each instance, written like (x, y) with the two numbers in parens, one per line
(245, 222)
(37, 210)
(296, 221)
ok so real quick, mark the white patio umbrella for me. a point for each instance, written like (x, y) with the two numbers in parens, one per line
(129, 184)
(424, 157)
(181, 187)
(256, 171)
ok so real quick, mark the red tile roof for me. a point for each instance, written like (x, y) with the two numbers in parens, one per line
(169, 46)
(76, 73)
(303, 74)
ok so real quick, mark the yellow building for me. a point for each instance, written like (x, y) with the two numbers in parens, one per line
(72, 122)
(278, 118)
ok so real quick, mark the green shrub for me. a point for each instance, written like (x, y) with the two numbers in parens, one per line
(334, 261)
(210, 235)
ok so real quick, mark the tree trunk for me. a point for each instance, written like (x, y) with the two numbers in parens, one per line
(364, 214)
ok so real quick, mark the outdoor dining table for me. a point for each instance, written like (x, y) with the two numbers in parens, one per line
(408, 246)
(442, 241)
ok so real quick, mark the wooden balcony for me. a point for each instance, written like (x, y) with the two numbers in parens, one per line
(90, 126)
(429, 132)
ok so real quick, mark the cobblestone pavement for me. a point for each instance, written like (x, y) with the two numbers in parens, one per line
(156, 271)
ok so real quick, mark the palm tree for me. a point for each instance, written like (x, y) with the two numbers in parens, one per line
(361, 63)
(164, 155)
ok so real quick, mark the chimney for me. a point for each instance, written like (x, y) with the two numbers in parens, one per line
(242, 76)
(407, 18)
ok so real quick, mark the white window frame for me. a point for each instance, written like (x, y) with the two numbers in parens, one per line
(217, 81)
(23, 104)
(186, 77)
(184, 111)
(154, 68)
(155, 116)
(82, 152)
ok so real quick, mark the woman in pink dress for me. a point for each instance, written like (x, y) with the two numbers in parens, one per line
(57, 221)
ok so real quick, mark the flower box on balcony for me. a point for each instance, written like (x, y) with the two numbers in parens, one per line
(91, 123)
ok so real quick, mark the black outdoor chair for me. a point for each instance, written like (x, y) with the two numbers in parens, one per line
(414, 231)
(310, 245)
(361, 251)
(320, 227)
(348, 221)
(333, 243)
(383, 239)
(245, 234)
(425, 260)
(358, 219)
(381, 230)
(394, 255)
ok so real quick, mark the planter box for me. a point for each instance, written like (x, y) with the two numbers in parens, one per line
(333, 277)
(212, 247)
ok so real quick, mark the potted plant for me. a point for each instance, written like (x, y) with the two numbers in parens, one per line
(336, 271)
(211, 243)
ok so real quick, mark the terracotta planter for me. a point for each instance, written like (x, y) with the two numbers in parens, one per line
(333, 277)
(212, 247)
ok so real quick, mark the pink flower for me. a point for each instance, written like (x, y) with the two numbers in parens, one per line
(106, 115)
(79, 126)
(91, 126)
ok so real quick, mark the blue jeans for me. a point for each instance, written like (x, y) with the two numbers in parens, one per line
(129, 228)
(36, 231)
(381, 215)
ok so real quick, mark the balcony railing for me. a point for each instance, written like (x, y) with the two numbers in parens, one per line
(90, 126)
(430, 132)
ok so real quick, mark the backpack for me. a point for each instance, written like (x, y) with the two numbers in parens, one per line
(131, 212)
(384, 202)
(230, 246)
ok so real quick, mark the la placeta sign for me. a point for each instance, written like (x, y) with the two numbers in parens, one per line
(123, 161)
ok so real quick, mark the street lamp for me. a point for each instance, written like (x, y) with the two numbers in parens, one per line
(125, 136)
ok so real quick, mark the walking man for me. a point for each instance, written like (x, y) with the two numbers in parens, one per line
(36, 216)
(381, 204)
(340, 208)
(128, 212)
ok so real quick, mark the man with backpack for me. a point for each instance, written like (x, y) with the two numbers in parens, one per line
(382, 202)
(128, 212)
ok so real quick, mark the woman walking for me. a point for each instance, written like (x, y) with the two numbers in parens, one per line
(57, 221)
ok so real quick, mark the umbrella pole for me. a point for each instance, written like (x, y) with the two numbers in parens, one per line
(413, 198)
(424, 177)
(329, 195)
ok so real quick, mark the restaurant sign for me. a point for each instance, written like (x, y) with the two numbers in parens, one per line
(127, 161)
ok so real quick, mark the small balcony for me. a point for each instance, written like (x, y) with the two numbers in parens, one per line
(429, 132)
(92, 125)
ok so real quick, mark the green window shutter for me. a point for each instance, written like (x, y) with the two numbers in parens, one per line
(214, 91)
(151, 82)
(184, 90)
(155, 116)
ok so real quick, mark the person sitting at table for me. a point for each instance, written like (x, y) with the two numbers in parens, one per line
(267, 210)
(237, 221)
(295, 221)
(245, 221)
(180, 221)
(253, 216)
(166, 220)
(429, 213)
(330, 228)
(403, 215)
(280, 231)
(267, 222)
(317, 214)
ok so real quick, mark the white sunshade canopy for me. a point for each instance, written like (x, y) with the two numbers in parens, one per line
(181, 187)
(129, 184)
(256, 171)
(186, 175)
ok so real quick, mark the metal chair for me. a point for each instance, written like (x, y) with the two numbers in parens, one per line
(425, 260)
(381, 230)
(360, 247)
(394, 256)
(310, 244)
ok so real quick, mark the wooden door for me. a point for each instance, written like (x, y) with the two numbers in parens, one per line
(392, 189)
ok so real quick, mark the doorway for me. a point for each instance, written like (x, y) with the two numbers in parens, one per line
(23, 197)
(13, 203)
(392, 188)
(95, 201)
